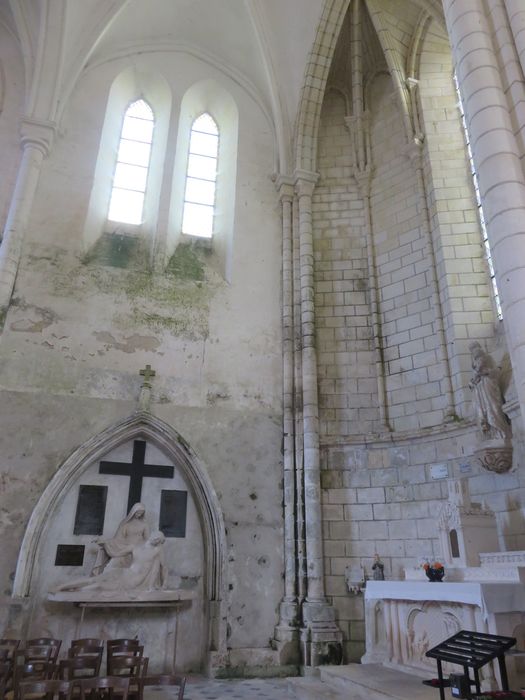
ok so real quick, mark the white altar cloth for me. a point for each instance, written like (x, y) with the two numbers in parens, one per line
(491, 598)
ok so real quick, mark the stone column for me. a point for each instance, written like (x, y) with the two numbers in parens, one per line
(497, 160)
(305, 184)
(36, 139)
(321, 639)
(286, 632)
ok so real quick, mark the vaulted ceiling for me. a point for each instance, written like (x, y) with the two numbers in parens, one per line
(266, 44)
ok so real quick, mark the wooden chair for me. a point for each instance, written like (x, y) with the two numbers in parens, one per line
(45, 690)
(132, 650)
(131, 667)
(34, 671)
(104, 688)
(55, 645)
(33, 654)
(166, 679)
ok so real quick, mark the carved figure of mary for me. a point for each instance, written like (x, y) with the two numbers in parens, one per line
(116, 552)
(146, 572)
(488, 395)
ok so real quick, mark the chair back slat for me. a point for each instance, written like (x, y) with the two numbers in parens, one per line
(78, 668)
(166, 679)
(87, 642)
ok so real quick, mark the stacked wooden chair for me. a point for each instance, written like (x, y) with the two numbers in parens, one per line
(32, 670)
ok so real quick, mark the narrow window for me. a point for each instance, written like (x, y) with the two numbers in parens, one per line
(131, 172)
(474, 174)
(201, 176)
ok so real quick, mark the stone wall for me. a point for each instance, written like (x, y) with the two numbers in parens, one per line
(82, 324)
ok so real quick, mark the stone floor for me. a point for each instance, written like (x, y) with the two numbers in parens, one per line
(206, 689)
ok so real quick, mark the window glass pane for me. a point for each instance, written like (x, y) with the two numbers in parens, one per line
(126, 206)
(131, 177)
(197, 220)
(134, 152)
(137, 129)
(140, 109)
(204, 144)
(205, 123)
(202, 167)
(200, 191)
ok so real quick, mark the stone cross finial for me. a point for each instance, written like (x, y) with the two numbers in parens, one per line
(145, 390)
(147, 373)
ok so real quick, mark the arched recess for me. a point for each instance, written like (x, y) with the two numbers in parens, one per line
(317, 71)
(146, 426)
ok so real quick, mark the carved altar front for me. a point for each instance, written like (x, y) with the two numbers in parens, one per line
(404, 619)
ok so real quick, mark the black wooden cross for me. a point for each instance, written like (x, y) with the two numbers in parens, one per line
(137, 470)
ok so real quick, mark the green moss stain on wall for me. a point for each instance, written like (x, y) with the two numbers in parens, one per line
(176, 300)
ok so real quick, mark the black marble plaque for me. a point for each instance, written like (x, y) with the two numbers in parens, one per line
(172, 519)
(69, 555)
(91, 509)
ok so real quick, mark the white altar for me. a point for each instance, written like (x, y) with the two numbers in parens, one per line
(482, 592)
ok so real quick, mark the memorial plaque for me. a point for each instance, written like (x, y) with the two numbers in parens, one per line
(69, 555)
(91, 509)
(172, 519)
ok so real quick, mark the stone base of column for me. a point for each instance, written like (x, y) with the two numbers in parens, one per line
(286, 635)
(321, 638)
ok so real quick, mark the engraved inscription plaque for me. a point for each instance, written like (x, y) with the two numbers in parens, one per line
(91, 509)
(172, 519)
(69, 555)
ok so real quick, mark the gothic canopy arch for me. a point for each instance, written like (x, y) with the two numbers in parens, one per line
(139, 425)
(317, 72)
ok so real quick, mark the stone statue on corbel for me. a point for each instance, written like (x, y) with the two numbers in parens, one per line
(488, 384)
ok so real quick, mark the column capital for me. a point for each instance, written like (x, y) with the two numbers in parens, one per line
(38, 133)
(305, 181)
(285, 187)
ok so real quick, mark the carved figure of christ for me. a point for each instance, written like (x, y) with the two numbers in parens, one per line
(136, 471)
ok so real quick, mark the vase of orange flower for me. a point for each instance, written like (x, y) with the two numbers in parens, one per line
(435, 572)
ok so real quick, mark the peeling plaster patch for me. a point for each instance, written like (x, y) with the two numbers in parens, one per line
(44, 318)
(6, 520)
(131, 343)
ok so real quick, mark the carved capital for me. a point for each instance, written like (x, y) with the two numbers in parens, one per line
(496, 459)
(305, 182)
(285, 187)
(38, 134)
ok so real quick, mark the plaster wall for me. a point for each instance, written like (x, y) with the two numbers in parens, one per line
(79, 329)
(11, 106)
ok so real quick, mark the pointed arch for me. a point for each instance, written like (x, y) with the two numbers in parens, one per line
(139, 425)
(316, 76)
(315, 79)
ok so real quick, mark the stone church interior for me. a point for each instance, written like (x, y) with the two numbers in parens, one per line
(262, 333)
